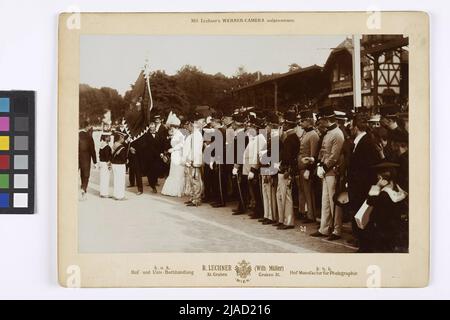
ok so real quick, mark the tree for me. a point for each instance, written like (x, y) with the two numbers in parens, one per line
(94, 102)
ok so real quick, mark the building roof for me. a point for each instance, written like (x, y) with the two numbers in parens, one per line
(286, 75)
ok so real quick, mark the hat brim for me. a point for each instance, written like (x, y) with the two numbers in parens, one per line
(386, 165)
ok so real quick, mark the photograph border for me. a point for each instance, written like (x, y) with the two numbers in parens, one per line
(295, 269)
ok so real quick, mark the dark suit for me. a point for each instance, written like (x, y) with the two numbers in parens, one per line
(86, 153)
(361, 176)
(403, 171)
(238, 160)
(220, 172)
(163, 136)
(137, 163)
(152, 158)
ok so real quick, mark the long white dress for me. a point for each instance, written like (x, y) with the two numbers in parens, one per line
(174, 184)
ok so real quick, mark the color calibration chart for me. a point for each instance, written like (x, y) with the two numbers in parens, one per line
(17, 133)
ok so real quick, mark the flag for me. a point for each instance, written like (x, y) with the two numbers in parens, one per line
(137, 119)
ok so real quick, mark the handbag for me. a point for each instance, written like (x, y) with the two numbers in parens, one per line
(362, 217)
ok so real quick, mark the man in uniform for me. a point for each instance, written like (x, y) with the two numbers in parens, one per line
(239, 144)
(330, 152)
(309, 148)
(220, 173)
(269, 173)
(251, 164)
(289, 148)
(195, 162)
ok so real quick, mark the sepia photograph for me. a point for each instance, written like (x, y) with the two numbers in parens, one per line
(243, 144)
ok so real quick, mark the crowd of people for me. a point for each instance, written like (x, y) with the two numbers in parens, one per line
(326, 168)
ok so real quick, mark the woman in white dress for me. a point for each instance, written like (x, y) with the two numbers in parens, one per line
(174, 184)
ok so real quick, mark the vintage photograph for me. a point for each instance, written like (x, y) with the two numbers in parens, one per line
(243, 143)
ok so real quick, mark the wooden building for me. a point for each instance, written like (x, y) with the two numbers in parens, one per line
(384, 79)
(298, 87)
(384, 73)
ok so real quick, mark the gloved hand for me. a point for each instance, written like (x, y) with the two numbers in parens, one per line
(276, 165)
(235, 171)
(306, 174)
(251, 175)
(374, 190)
(188, 164)
(211, 165)
(320, 172)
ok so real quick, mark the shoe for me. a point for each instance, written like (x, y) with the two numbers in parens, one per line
(317, 234)
(105, 197)
(286, 227)
(193, 204)
(154, 190)
(281, 227)
(83, 196)
(130, 186)
(267, 222)
(262, 220)
(333, 237)
(139, 193)
(252, 216)
(237, 213)
(239, 210)
(186, 202)
(278, 224)
(218, 205)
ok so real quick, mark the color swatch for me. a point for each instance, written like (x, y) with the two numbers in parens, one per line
(17, 152)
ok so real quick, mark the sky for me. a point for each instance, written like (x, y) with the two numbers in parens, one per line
(115, 60)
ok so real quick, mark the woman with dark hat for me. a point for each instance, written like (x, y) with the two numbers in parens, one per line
(386, 198)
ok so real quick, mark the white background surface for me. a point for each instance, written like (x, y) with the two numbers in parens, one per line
(28, 60)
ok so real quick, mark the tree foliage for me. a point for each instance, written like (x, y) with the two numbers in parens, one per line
(182, 93)
(94, 102)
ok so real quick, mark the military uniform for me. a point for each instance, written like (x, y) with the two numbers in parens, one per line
(309, 148)
(289, 148)
(329, 155)
(195, 162)
(269, 173)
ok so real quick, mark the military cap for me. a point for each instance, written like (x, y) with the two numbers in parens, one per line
(326, 112)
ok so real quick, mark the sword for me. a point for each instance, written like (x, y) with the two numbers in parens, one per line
(239, 189)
